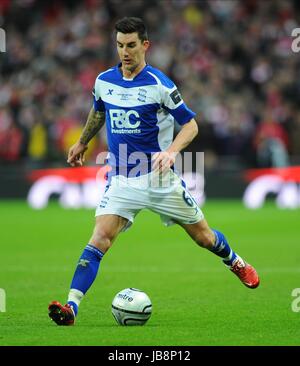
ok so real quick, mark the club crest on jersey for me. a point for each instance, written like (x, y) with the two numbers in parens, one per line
(122, 121)
(142, 95)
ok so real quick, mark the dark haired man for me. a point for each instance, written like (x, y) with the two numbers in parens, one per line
(139, 104)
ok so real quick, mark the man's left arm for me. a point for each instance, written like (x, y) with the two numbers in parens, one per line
(163, 160)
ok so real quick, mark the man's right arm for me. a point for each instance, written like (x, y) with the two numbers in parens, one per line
(95, 121)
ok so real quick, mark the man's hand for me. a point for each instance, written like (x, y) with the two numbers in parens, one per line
(76, 154)
(163, 160)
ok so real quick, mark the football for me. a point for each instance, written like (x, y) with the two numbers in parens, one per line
(131, 306)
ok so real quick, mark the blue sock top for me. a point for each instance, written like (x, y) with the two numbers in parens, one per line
(95, 250)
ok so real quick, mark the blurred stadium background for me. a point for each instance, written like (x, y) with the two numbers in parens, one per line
(234, 65)
(232, 61)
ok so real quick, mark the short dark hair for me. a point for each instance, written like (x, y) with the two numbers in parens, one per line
(132, 25)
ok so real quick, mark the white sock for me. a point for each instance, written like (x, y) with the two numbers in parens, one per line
(75, 296)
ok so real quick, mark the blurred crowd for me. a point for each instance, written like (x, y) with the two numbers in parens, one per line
(231, 60)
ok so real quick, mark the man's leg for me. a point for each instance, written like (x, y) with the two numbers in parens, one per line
(106, 229)
(216, 242)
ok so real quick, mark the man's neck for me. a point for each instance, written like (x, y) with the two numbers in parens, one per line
(130, 75)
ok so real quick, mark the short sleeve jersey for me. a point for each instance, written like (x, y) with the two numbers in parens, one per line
(139, 112)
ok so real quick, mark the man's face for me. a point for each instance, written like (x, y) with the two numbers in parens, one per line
(131, 50)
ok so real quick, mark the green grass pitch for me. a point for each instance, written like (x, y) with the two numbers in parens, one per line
(196, 300)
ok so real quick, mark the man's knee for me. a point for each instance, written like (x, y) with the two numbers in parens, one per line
(101, 239)
(106, 230)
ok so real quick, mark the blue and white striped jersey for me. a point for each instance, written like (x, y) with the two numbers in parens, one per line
(139, 112)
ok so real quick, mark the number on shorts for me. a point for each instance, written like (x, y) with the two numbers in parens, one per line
(188, 199)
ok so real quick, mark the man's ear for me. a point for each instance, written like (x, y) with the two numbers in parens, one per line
(146, 45)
